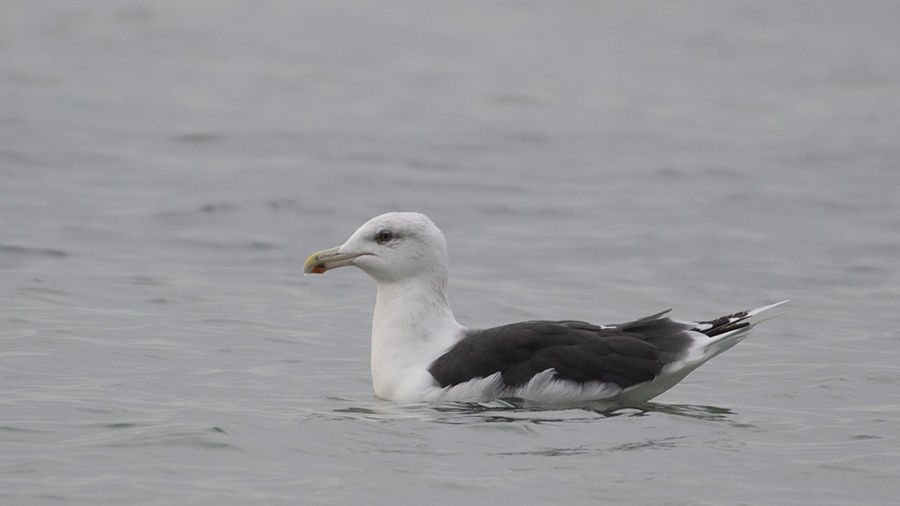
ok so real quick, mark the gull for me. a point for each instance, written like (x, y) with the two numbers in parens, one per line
(421, 354)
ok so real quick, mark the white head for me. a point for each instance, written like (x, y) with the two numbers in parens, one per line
(391, 247)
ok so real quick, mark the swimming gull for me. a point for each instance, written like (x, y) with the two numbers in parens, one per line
(420, 353)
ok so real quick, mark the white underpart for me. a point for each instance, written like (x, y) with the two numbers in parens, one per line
(543, 388)
(411, 328)
(703, 349)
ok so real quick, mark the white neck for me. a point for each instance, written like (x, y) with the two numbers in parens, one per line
(412, 326)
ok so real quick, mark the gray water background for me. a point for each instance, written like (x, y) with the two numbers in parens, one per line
(166, 167)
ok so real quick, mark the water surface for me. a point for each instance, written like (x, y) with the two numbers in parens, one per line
(166, 168)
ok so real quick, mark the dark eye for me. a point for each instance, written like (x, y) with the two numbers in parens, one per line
(384, 236)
